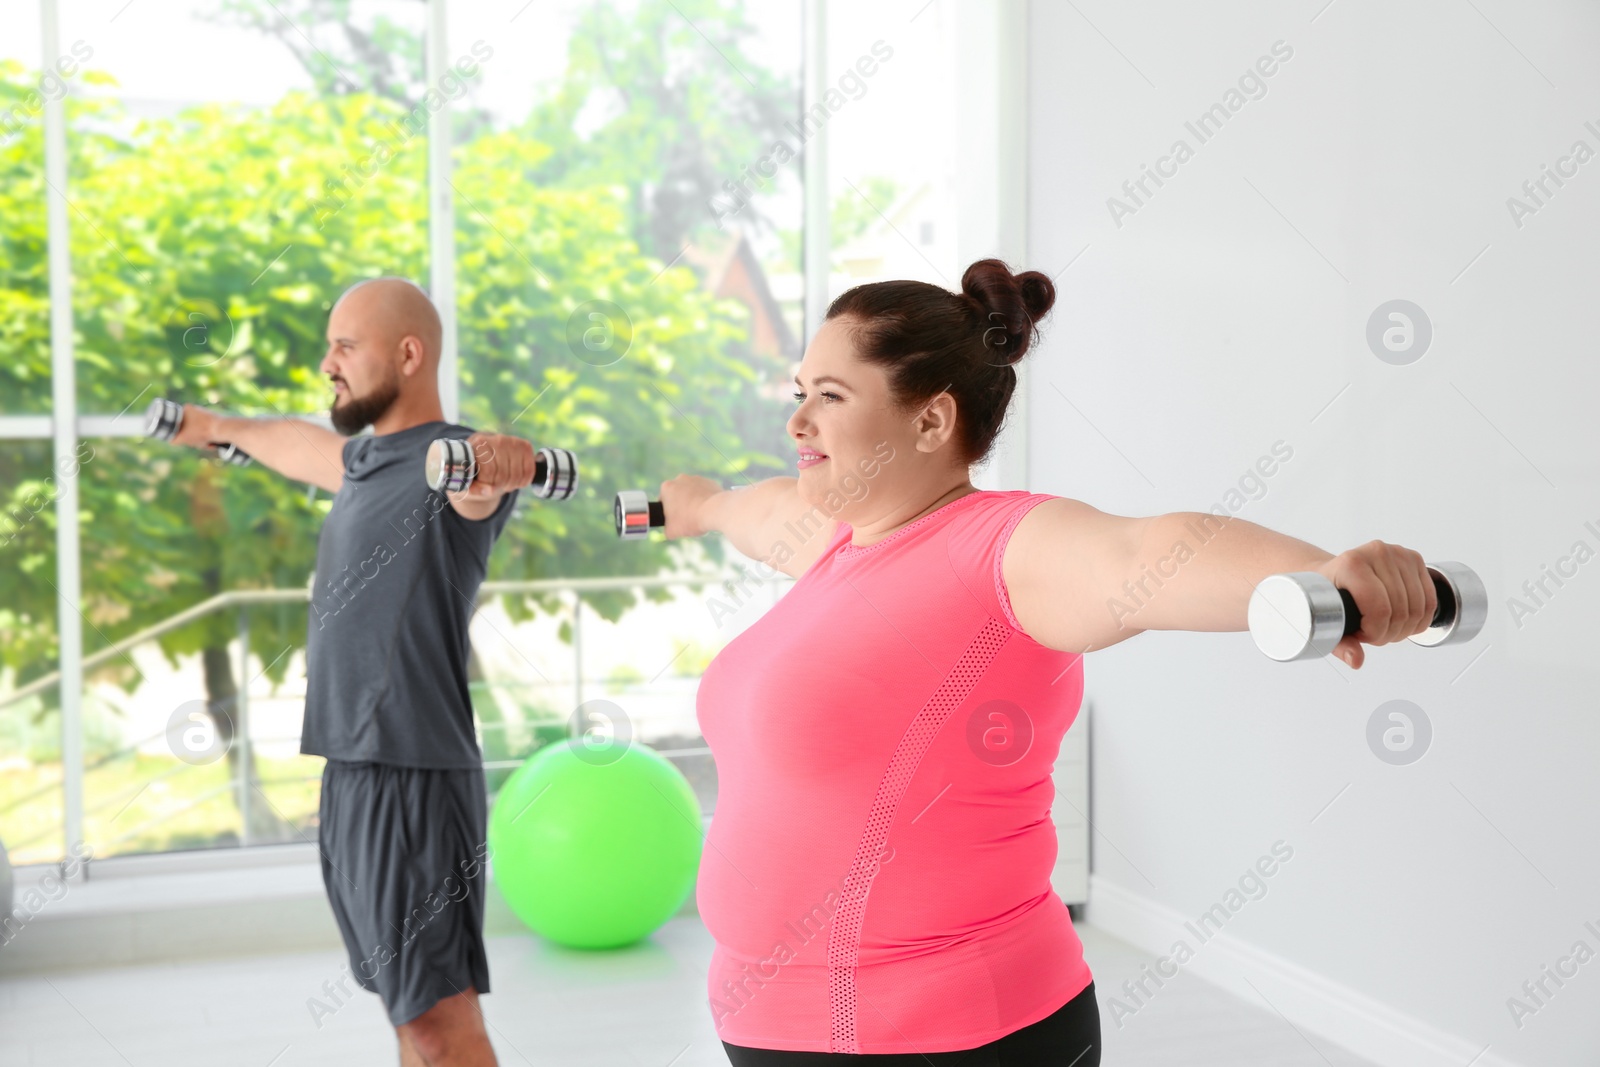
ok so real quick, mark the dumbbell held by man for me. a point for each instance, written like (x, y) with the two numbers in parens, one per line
(487, 463)
(1304, 615)
(163, 420)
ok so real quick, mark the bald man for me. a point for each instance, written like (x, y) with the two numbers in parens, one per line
(403, 819)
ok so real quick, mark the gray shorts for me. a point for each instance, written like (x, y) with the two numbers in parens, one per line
(403, 853)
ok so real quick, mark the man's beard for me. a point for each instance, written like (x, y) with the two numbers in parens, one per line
(359, 412)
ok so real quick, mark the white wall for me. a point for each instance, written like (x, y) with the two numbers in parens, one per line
(1229, 312)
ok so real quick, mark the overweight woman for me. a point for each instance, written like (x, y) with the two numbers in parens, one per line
(877, 875)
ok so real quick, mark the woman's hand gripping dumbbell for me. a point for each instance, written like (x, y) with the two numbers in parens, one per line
(635, 514)
(1304, 615)
(487, 464)
(164, 420)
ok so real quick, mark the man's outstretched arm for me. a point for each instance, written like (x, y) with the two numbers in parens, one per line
(295, 448)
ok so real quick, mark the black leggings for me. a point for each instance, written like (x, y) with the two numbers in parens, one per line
(1068, 1038)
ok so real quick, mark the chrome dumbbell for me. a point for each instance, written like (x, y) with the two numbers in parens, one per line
(163, 418)
(451, 467)
(1304, 615)
(636, 515)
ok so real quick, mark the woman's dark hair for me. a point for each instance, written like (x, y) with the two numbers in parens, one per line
(931, 340)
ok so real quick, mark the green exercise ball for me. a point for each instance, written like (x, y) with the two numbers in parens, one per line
(595, 848)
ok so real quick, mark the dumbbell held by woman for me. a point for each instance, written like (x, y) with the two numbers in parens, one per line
(635, 514)
(452, 466)
(164, 418)
(1304, 615)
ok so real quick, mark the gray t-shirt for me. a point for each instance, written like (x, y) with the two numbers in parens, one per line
(397, 573)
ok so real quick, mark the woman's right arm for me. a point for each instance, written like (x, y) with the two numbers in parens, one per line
(767, 521)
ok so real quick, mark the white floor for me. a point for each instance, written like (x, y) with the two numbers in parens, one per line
(641, 1007)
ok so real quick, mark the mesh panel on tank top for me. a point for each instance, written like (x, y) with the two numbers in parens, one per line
(844, 940)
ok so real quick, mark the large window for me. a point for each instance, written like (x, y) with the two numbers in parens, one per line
(232, 166)
(613, 191)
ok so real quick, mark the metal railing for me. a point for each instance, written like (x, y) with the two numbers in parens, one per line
(247, 597)
(244, 599)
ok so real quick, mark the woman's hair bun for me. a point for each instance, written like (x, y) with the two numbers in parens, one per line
(1010, 306)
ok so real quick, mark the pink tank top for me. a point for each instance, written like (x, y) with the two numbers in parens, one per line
(877, 873)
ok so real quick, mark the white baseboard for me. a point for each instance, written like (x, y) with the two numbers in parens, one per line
(1337, 1012)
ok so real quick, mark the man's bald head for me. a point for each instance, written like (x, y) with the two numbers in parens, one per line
(384, 344)
(396, 307)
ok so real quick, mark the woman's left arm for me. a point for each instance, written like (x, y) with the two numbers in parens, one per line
(1080, 579)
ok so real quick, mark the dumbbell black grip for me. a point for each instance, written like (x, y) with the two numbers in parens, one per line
(163, 418)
